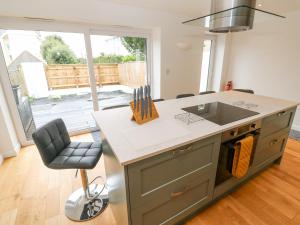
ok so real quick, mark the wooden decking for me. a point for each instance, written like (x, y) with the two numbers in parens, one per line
(32, 194)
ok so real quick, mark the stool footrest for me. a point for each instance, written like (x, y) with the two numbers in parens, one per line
(79, 208)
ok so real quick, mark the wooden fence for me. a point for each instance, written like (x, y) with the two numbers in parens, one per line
(131, 74)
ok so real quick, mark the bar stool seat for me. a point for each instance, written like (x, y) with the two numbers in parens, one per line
(79, 155)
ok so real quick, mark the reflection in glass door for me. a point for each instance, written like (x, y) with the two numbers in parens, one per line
(49, 78)
(120, 64)
(206, 63)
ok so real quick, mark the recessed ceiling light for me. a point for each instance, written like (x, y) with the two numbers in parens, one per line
(259, 5)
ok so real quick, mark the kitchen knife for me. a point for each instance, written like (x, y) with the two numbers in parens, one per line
(138, 99)
(134, 99)
(142, 102)
(146, 101)
(150, 101)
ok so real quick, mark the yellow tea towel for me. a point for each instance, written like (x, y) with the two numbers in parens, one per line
(242, 156)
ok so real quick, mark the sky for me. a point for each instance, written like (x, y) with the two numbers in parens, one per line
(20, 41)
(105, 44)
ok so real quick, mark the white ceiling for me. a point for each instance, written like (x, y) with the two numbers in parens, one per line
(202, 7)
(182, 7)
(91, 10)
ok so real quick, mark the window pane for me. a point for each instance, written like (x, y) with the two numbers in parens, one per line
(205, 65)
(120, 65)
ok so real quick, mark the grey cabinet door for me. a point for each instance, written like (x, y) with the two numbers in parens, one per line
(269, 147)
(277, 122)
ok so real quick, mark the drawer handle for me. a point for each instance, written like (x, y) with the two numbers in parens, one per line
(282, 113)
(181, 151)
(273, 142)
(179, 193)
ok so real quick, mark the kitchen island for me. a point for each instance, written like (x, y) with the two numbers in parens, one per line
(166, 170)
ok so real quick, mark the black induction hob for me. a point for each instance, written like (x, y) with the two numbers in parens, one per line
(220, 113)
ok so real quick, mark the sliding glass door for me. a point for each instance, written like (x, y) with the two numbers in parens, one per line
(120, 64)
(69, 75)
(49, 78)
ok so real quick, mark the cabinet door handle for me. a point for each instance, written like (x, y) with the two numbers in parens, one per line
(181, 151)
(176, 194)
(179, 193)
(273, 142)
(283, 113)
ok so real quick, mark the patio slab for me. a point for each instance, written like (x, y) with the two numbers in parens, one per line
(76, 109)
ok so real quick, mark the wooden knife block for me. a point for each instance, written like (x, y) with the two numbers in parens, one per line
(137, 113)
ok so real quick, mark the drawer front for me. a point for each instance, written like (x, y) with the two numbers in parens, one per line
(270, 146)
(279, 121)
(181, 203)
(150, 175)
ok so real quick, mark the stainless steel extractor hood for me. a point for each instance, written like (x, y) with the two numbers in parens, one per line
(237, 19)
(231, 16)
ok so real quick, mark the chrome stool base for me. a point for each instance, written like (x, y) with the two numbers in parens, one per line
(79, 208)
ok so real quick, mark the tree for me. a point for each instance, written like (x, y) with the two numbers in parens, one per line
(112, 58)
(135, 45)
(129, 58)
(108, 59)
(55, 51)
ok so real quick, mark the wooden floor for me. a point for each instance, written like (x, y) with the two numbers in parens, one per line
(32, 194)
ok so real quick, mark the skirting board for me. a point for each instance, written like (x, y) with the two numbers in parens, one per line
(296, 128)
(294, 134)
(8, 154)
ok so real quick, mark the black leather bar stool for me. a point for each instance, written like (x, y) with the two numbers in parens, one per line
(58, 152)
(245, 90)
(207, 92)
(158, 100)
(184, 95)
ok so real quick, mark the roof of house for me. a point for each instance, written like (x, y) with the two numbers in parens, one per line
(25, 56)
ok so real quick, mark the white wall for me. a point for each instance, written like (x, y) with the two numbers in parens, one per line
(179, 70)
(35, 79)
(267, 60)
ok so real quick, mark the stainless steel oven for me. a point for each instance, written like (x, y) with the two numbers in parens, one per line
(229, 138)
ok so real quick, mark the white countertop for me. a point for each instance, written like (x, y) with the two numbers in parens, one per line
(131, 142)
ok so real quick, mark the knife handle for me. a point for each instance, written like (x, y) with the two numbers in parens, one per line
(141, 99)
(146, 91)
(150, 101)
(146, 101)
(149, 91)
(142, 94)
(138, 99)
(134, 98)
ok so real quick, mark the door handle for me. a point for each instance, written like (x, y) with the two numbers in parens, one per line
(273, 142)
(283, 113)
(179, 193)
(181, 151)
